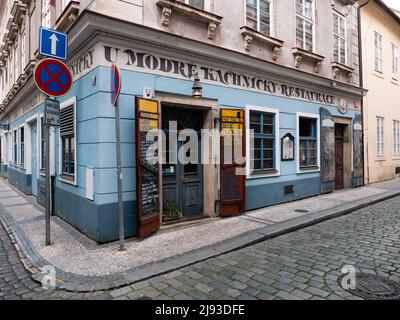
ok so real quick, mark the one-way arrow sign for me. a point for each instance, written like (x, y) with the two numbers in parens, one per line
(53, 44)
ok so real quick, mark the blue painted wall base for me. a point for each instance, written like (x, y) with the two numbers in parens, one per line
(18, 178)
(99, 222)
(3, 171)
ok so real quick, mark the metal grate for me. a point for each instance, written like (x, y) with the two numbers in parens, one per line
(372, 287)
(67, 120)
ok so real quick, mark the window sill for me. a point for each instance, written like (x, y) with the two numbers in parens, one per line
(263, 174)
(211, 19)
(378, 74)
(251, 34)
(304, 170)
(339, 67)
(300, 54)
(67, 179)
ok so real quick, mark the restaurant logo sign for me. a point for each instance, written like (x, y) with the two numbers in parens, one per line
(152, 63)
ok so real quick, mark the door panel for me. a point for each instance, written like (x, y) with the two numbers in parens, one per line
(233, 164)
(147, 172)
(339, 164)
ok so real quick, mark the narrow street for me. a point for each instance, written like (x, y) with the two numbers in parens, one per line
(301, 265)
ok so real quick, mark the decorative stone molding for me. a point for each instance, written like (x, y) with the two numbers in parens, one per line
(169, 6)
(300, 54)
(68, 16)
(338, 67)
(18, 11)
(250, 35)
(165, 16)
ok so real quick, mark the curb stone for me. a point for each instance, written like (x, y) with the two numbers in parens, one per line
(33, 261)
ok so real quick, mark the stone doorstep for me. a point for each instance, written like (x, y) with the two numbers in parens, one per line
(77, 283)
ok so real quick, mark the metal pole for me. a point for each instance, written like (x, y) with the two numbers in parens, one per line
(48, 194)
(119, 180)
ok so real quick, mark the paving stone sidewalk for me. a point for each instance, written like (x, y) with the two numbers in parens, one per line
(82, 265)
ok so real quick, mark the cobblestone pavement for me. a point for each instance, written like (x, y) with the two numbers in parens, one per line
(301, 265)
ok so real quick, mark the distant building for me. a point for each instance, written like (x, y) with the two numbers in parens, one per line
(289, 70)
(380, 33)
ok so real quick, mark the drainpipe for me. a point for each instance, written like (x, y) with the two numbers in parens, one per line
(360, 55)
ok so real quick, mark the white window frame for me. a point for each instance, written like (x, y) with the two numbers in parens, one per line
(52, 148)
(14, 155)
(378, 45)
(304, 18)
(380, 136)
(271, 15)
(396, 138)
(20, 165)
(338, 35)
(297, 142)
(67, 103)
(274, 111)
(395, 61)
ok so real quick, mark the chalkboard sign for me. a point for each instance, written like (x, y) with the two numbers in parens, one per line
(147, 168)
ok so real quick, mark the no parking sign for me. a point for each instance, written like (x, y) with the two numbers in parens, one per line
(53, 77)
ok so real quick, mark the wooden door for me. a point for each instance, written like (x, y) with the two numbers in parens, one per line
(233, 164)
(339, 172)
(147, 169)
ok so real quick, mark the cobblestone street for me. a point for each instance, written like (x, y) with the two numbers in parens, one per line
(301, 265)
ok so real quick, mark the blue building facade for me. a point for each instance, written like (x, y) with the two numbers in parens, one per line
(276, 102)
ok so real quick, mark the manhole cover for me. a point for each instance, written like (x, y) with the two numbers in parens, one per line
(372, 287)
(301, 211)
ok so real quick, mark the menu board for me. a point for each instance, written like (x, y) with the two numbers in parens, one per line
(148, 164)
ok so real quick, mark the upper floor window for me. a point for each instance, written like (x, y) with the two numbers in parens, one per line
(395, 61)
(48, 7)
(15, 147)
(68, 141)
(258, 15)
(305, 24)
(339, 38)
(195, 3)
(380, 136)
(378, 52)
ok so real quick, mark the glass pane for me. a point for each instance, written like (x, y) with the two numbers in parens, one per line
(299, 6)
(308, 10)
(268, 154)
(257, 164)
(309, 36)
(299, 32)
(197, 3)
(336, 48)
(268, 164)
(268, 119)
(268, 144)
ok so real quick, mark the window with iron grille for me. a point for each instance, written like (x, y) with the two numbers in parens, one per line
(67, 135)
(339, 38)
(263, 151)
(380, 139)
(308, 142)
(305, 24)
(258, 15)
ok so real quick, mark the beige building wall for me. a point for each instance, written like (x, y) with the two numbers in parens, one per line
(383, 98)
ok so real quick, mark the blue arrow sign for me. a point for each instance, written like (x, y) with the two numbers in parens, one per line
(53, 44)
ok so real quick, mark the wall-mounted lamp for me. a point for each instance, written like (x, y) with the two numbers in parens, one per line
(197, 90)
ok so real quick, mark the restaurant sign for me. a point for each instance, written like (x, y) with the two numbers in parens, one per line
(152, 63)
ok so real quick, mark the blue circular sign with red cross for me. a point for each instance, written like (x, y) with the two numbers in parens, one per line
(53, 77)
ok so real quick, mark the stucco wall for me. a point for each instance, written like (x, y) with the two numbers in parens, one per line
(383, 98)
